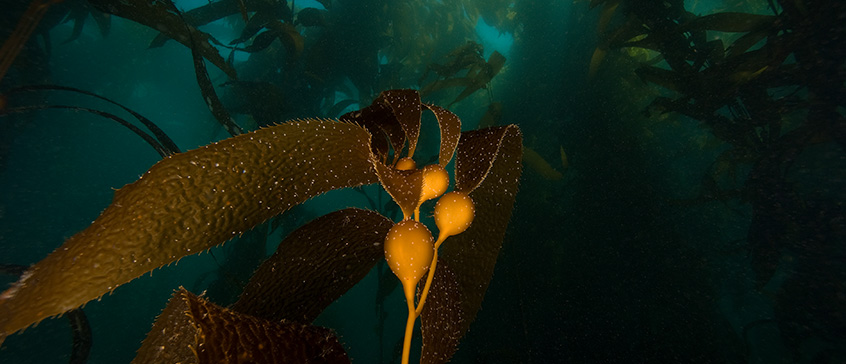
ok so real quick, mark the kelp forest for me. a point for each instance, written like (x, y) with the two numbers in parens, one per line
(468, 181)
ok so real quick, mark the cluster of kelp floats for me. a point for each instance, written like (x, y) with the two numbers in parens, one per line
(773, 89)
(192, 201)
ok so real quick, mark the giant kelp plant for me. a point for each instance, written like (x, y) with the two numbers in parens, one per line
(770, 86)
(192, 201)
(299, 61)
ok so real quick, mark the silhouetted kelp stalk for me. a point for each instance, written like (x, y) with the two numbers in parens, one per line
(192, 201)
(160, 141)
(468, 57)
(20, 35)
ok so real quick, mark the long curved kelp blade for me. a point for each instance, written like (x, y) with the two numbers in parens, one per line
(488, 166)
(450, 126)
(407, 109)
(193, 330)
(188, 203)
(315, 265)
(160, 135)
(159, 148)
(397, 114)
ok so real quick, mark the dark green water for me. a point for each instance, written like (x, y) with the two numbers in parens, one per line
(713, 233)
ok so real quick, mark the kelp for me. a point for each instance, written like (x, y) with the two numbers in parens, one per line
(80, 328)
(192, 201)
(78, 12)
(160, 141)
(206, 87)
(193, 330)
(315, 265)
(188, 203)
(158, 15)
(134, 129)
(774, 96)
(488, 167)
(20, 35)
(478, 76)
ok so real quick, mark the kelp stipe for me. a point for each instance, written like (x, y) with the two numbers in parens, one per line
(192, 201)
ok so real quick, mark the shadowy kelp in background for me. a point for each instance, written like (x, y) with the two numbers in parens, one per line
(771, 87)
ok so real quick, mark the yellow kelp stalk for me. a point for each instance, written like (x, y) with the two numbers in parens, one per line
(410, 249)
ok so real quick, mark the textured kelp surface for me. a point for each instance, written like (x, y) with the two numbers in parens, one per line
(193, 330)
(315, 265)
(186, 204)
(488, 166)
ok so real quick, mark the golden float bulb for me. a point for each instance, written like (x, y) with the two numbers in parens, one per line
(454, 213)
(406, 164)
(409, 248)
(435, 182)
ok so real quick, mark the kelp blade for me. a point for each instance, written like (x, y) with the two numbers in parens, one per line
(488, 166)
(406, 109)
(450, 126)
(315, 265)
(188, 203)
(442, 322)
(193, 330)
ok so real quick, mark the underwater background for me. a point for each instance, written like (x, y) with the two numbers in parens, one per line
(682, 194)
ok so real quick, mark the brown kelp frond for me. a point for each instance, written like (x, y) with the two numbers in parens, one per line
(80, 328)
(442, 323)
(450, 126)
(397, 115)
(315, 265)
(164, 140)
(403, 186)
(158, 15)
(477, 152)
(193, 330)
(188, 203)
(407, 110)
(488, 167)
(394, 113)
(379, 120)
